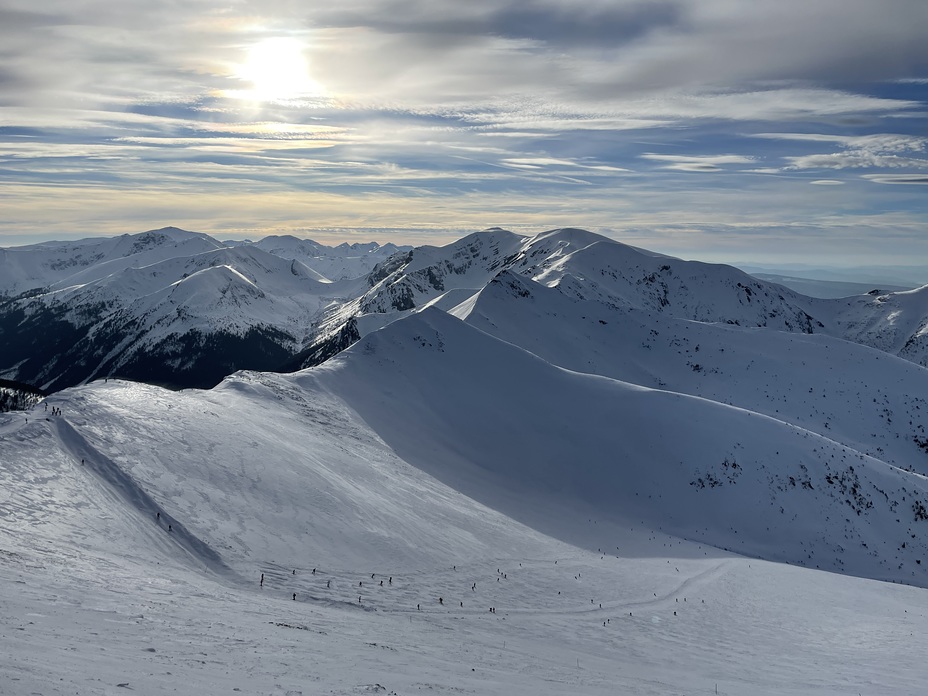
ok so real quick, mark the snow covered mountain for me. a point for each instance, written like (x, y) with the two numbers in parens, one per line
(38, 266)
(532, 466)
(167, 306)
(178, 308)
(587, 266)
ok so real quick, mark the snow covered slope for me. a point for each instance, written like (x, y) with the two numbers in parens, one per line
(464, 474)
(507, 428)
(873, 402)
(894, 322)
(520, 435)
(440, 392)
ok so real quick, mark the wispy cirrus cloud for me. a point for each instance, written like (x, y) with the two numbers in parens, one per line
(696, 163)
(905, 179)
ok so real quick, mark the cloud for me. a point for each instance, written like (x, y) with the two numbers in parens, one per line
(833, 41)
(637, 47)
(878, 151)
(594, 52)
(555, 23)
(696, 163)
(542, 162)
(917, 179)
(883, 142)
(827, 182)
(855, 159)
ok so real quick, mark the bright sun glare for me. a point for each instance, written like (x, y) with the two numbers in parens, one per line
(277, 69)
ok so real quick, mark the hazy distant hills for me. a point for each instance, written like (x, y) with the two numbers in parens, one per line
(182, 309)
(860, 279)
(828, 288)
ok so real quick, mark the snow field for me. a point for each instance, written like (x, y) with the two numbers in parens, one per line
(275, 478)
(748, 626)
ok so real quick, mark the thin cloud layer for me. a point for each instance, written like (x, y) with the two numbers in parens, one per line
(432, 114)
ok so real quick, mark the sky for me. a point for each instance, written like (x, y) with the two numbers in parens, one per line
(722, 130)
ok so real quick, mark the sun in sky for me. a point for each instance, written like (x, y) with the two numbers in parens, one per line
(277, 70)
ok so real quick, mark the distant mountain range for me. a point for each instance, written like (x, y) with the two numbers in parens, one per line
(167, 306)
(814, 287)
(182, 309)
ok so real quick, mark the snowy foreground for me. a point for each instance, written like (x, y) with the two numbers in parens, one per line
(281, 476)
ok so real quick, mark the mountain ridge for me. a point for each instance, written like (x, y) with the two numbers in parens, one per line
(148, 299)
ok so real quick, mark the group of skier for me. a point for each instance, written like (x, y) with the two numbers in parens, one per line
(389, 581)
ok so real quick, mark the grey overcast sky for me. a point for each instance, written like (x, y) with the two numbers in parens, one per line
(770, 130)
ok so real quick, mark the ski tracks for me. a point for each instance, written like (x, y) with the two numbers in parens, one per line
(687, 586)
